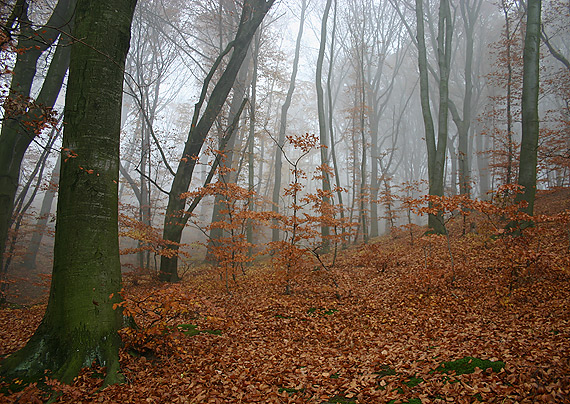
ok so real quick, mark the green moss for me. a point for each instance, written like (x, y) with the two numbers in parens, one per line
(191, 330)
(468, 365)
(321, 311)
(413, 381)
(410, 401)
(385, 370)
(290, 390)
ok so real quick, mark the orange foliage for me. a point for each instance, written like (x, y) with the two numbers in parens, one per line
(394, 313)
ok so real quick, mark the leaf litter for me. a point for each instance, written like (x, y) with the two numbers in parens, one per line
(396, 329)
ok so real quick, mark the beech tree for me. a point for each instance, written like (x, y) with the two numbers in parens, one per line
(325, 230)
(530, 122)
(435, 149)
(469, 14)
(283, 123)
(380, 79)
(176, 218)
(510, 82)
(81, 320)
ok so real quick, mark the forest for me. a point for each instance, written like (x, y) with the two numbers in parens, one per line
(285, 201)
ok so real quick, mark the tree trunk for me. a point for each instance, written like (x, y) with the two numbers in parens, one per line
(283, 125)
(41, 224)
(510, 151)
(436, 154)
(325, 231)
(330, 118)
(481, 141)
(250, 143)
(530, 123)
(19, 131)
(469, 14)
(80, 324)
(174, 221)
(226, 176)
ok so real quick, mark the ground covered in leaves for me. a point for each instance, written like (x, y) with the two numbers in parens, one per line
(478, 319)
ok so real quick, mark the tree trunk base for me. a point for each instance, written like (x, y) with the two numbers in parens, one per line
(63, 356)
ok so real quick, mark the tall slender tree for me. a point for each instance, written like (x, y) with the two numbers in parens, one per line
(176, 218)
(251, 139)
(283, 123)
(469, 13)
(436, 151)
(325, 230)
(530, 121)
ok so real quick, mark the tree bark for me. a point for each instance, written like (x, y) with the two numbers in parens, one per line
(469, 14)
(325, 231)
(80, 324)
(226, 176)
(283, 125)
(250, 143)
(436, 154)
(510, 152)
(252, 14)
(530, 122)
(330, 108)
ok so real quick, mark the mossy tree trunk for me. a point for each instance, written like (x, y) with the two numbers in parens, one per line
(530, 122)
(80, 324)
(436, 150)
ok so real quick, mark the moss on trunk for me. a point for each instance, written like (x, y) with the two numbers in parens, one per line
(80, 324)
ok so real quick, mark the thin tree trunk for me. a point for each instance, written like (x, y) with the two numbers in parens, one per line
(330, 117)
(226, 176)
(436, 154)
(469, 13)
(41, 224)
(510, 151)
(325, 231)
(19, 131)
(251, 141)
(283, 126)
(253, 13)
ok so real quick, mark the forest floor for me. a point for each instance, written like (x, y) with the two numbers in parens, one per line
(393, 321)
